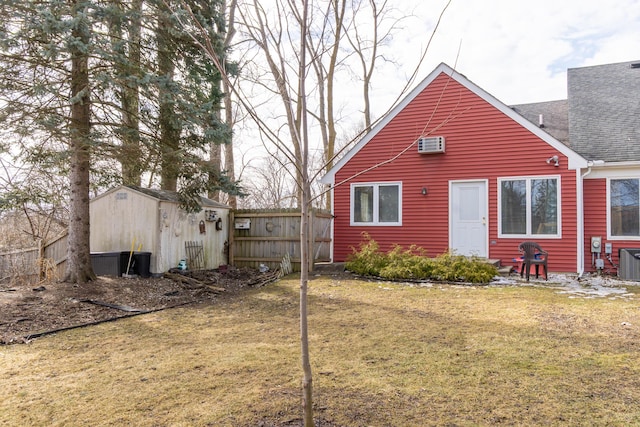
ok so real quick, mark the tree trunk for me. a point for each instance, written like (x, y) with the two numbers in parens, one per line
(229, 163)
(307, 379)
(305, 204)
(127, 66)
(131, 153)
(79, 268)
(169, 131)
(215, 158)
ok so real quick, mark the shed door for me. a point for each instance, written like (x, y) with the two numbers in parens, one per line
(468, 232)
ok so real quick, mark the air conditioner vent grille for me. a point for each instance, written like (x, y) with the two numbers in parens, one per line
(432, 144)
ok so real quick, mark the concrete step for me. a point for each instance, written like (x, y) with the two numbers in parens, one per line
(505, 270)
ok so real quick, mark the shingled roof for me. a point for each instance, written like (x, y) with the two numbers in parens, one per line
(601, 118)
(553, 115)
(604, 111)
(172, 196)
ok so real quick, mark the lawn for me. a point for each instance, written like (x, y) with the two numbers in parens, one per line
(383, 354)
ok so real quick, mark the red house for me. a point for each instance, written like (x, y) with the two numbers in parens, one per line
(451, 167)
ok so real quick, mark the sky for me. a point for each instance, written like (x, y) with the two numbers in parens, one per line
(517, 50)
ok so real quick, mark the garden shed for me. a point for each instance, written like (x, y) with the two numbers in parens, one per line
(151, 221)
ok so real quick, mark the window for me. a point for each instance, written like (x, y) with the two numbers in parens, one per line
(529, 207)
(624, 199)
(376, 204)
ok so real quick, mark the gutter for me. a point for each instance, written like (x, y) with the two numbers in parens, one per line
(590, 164)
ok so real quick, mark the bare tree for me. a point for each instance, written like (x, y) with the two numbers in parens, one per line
(229, 163)
(269, 184)
(32, 207)
(284, 37)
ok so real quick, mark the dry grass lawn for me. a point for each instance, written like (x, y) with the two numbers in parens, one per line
(383, 355)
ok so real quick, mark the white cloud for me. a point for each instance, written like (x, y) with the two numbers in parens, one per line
(519, 51)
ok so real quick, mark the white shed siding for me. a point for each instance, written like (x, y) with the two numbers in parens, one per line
(123, 217)
(178, 227)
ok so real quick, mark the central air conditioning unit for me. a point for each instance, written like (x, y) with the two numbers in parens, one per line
(432, 144)
(629, 264)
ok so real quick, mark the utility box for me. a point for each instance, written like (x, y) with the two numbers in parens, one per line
(242, 223)
(629, 264)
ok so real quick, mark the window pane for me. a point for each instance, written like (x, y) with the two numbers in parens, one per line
(625, 209)
(363, 204)
(514, 207)
(388, 203)
(544, 206)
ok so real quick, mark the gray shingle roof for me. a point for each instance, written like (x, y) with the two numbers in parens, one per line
(554, 117)
(604, 111)
(172, 196)
(601, 118)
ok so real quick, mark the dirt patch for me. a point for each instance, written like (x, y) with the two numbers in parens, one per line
(31, 310)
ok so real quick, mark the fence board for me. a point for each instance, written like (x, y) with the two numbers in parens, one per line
(20, 264)
(56, 251)
(271, 234)
(26, 264)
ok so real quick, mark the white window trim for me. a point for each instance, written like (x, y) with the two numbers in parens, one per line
(529, 234)
(610, 236)
(376, 200)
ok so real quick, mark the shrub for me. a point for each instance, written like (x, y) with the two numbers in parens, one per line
(413, 263)
(367, 261)
(406, 264)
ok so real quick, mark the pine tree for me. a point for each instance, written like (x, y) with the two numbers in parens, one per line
(84, 87)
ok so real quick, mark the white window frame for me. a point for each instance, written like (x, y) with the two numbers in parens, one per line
(376, 200)
(529, 234)
(610, 235)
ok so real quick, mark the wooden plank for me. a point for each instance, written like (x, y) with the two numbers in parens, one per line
(231, 247)
(267, 215)
(274, 234)
(265, 259)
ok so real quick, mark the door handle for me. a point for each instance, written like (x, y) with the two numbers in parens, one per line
(484, 221)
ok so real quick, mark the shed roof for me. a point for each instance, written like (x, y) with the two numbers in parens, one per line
(172, 196)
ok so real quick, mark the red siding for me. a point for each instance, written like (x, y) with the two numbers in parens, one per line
(595, 224)
(481, 143)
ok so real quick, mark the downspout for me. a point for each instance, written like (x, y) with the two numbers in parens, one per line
(333, 219)
(580, 219)
(580, 207)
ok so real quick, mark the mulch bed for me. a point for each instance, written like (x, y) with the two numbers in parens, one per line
(30, 310)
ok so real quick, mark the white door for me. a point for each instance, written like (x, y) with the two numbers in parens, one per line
(468, 232)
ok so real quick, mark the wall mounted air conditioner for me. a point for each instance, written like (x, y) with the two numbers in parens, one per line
(432, 144)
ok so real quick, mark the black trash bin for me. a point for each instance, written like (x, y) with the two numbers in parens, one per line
(127, 265)
(142, 263)
(136, 263)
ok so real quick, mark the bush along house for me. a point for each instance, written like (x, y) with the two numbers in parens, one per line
(452, 167)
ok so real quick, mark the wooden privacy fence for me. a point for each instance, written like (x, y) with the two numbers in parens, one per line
(45, 260)
(266, 236)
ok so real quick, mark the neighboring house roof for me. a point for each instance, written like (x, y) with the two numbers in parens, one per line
(575, 160)
(553, 114)
(604, 111)
(601, 118)
(172, 196)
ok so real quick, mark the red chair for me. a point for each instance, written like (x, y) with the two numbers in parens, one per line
(533, 255)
